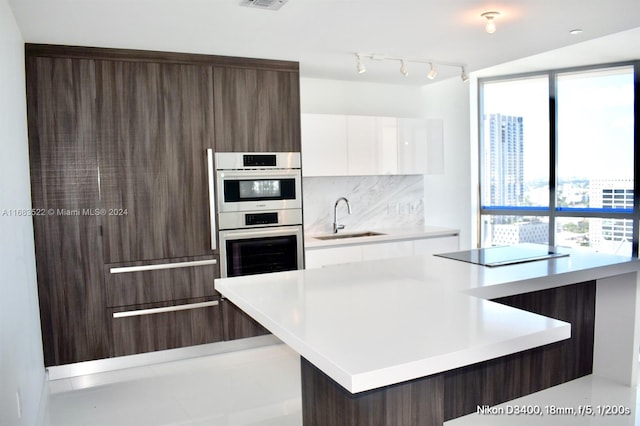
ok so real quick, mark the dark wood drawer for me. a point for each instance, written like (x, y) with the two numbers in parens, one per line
(154, 327)
(135, 283)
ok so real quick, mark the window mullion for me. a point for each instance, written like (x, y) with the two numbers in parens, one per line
(553, 156)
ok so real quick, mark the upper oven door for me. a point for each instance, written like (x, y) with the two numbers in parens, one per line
(252, 190)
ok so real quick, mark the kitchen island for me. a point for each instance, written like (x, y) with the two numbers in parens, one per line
(424, 339)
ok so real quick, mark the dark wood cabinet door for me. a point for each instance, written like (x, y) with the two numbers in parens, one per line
(154, 327)
(155, 124)
(257, 110)
(64, 184)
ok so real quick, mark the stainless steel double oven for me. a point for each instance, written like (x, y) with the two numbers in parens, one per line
(259, 212)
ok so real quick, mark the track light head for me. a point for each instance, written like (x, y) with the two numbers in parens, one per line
(490, 26)
(463, 75)
(432, 71)
(361, 68)
(403, 68)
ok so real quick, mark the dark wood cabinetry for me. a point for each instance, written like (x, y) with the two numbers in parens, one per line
(135, 283)
(257, 110)
(119, 143)
(64, 182)
(237, 324)
(155, 124)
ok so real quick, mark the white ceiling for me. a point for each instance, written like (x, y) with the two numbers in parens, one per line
(324, 35)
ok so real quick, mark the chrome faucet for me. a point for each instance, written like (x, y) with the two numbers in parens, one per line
(337, 227)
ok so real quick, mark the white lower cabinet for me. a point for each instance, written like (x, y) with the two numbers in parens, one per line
(386, 250)
(322, 256)
(317, 258)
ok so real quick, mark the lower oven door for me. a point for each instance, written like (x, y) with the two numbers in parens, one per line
(261, 250)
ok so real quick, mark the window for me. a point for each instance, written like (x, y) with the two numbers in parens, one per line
(515, 143)
(595, 139)
(556, 159)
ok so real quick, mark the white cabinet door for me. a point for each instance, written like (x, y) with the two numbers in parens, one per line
(387, 250)
(317, 258)
(324, 145)
(372, 145)
(362, 149)
(387, 143)
(436, 245)
(420, 146)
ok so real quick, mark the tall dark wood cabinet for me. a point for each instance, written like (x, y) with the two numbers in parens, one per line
(257, 109)
(65, 187)
(121, 144)
(155, 122)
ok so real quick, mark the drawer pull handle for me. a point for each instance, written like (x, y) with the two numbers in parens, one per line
(120, 270)
(164, 309)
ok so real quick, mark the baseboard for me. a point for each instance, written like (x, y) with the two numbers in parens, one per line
(118, 363)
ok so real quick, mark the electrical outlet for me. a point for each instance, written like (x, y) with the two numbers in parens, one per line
(19, 404)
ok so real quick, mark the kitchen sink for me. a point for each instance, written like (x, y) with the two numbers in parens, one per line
(348, 235)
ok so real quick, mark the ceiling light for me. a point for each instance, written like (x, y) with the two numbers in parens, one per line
(576, 31)
(432, 72)
(264, 4)
(361, 68)
(490, 27)
(403, 68)
(464, 75)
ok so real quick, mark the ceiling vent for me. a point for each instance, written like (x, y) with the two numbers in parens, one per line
(264, 4)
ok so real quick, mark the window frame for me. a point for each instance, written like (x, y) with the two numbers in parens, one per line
(552, 211)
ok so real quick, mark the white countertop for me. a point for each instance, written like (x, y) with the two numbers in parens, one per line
(373, 324)
(387, 235)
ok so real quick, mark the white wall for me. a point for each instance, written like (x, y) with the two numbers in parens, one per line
(21, 361)
(345, 97)
(448, 197)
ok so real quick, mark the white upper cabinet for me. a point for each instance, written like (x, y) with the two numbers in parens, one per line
(420, 146)
(387, 145)
(341, 145)
(363, 156)
(371, 145)
(324, 144)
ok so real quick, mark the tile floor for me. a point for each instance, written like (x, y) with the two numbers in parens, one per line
(261, 387)
(251, 387)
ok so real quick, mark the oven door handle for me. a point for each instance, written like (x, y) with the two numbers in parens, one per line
(212, 199)
(255, 233)
(259, 174)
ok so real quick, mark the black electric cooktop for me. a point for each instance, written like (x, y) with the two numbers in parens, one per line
(506, 255)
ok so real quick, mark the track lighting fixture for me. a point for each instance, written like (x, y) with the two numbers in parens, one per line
(432, 71)
(490, 26)
(403, 68)
(464, 75)
(404, 61)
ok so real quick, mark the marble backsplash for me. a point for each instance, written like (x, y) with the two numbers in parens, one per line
(377, 202)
